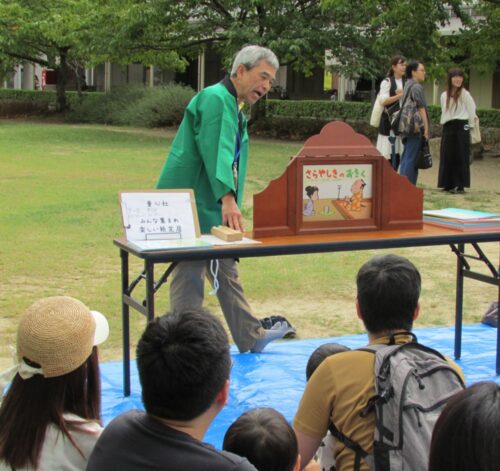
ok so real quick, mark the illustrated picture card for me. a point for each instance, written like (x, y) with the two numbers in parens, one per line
(337, 192)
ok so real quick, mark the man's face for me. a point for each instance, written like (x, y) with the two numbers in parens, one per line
(251, 85)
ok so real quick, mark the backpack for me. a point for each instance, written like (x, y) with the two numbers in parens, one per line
(413, 383)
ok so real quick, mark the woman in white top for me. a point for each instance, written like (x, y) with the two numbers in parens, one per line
(50, 416)
(391, 91)
(457, 117)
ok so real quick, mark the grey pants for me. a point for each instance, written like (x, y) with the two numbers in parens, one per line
(187, 290)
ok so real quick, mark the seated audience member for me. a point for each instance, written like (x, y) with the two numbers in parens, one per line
(388, 289)
(50, 415)
(265, 438)
(325, 453)
(184, 362)
(467, 433)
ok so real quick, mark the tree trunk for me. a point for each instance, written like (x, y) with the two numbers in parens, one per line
(62, 80)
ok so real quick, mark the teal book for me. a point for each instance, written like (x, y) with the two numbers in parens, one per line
(462, 215)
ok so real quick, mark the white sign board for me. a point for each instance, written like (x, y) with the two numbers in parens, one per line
(163, 215)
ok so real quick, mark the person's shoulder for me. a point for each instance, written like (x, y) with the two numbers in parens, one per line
(235, 462)
(214, 99)
(466, 95)
(125, 419)
(386, 82)
(217, 91)
(221, 460)
(339, 364)
(456, 367)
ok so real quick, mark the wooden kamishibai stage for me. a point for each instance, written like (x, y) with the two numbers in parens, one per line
(337, 182)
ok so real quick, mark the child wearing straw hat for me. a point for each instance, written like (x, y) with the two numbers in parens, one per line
(50, 414)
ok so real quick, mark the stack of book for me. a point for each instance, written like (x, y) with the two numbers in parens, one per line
(463, 219)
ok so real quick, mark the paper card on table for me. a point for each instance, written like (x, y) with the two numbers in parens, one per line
(212, 240)
(166, 215)
(457, 213)
(150, 245)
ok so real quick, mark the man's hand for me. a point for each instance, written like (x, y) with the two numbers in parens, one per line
(231, 214)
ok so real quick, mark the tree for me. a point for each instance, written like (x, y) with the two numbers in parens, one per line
(298, 31)
(65, 35)
(479, 41)
(376, 30)
(50, 33)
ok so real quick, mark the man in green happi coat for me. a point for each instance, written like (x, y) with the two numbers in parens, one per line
(209, 154)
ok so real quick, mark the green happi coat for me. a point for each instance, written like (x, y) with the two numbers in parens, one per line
(203, 152)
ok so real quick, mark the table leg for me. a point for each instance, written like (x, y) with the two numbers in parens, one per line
(498, 323)
(459, 304)
(150, 290)
(125, 324)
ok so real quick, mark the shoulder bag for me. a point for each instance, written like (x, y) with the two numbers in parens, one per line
(376, 113)
(475, 132)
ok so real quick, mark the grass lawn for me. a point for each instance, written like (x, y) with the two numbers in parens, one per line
(59, 213)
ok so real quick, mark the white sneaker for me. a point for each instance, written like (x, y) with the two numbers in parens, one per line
(277, 331)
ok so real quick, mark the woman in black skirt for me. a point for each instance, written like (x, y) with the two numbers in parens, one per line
(457, 117)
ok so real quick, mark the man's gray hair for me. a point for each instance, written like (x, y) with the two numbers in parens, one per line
(249, 56)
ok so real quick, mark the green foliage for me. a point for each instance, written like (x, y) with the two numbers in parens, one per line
(478, 45)
(318, 109)
(297, 31)
(27, 95)
(489, 118)
(26, 102)
(299, 119)
(354, 111)
(371, 31)
(137, 106)
(159, 106)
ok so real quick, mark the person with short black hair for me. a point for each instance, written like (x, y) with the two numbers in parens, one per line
(265, 438)
(184, 362)
(467, 433)
(50, 417)
(388, 289)
(388, 292)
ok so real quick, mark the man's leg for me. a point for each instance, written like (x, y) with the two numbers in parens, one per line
(187, 285)
(245, 328)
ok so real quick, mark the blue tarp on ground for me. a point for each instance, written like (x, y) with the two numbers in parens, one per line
(276, 377)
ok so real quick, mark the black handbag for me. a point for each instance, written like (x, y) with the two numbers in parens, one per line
(424, 158)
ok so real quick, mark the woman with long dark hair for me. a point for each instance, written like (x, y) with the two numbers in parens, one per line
(50, 416)
(457, 117)
(467, 433)
(391, 91)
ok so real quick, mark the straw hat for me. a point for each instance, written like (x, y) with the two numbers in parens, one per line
(58, 334)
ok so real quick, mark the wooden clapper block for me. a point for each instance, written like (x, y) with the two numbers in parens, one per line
(226, 233)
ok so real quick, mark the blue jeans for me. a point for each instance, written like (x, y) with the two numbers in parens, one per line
(413, 144)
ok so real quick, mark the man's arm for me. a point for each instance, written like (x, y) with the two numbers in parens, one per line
(231, 214)
(307, 447)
